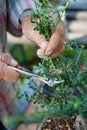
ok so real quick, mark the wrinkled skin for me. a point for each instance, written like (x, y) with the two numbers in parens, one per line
(6, 73)
(54, 47)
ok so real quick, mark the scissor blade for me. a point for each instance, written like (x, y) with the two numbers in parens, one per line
(24, 71)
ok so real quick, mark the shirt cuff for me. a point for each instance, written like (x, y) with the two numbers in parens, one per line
(24, 15)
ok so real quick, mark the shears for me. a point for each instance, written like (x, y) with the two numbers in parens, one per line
(23, 71)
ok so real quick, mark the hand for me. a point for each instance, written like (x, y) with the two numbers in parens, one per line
(54, 47)
(6, 73)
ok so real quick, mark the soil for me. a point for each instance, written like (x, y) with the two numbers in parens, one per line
(74, 123)
(59, 124)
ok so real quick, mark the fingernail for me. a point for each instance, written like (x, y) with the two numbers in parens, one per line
(49, 52)
(41, 55)
(13, 62)
(44, 45)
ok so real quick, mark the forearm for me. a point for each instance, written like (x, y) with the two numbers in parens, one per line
(17, 9)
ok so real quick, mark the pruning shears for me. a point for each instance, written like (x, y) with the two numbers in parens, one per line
(23, 71)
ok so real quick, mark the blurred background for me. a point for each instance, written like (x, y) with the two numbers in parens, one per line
(76, 16)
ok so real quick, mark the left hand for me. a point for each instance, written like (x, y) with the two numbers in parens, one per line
(6, 73)
(54, 47)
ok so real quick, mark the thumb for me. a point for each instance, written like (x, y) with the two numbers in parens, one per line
(13, 62)
(43, 45)
(9, 74)
(41, 53)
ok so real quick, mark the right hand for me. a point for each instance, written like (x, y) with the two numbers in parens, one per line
(54, 47)
(6, 73)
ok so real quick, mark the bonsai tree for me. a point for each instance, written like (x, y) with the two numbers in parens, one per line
(68, 99)
(67, 67)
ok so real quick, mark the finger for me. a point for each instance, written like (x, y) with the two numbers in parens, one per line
(56, 49)
(7, 58)
(55, 39)
(41, 53)
(58, 52)
(9, 74)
